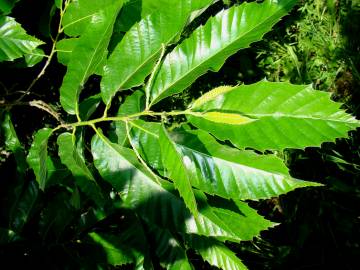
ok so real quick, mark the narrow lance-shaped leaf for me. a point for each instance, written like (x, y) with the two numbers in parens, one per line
(209, 45)
(172, 255)
(134, 57)
(70, 157)
(38, 155)
(14, 42)
(87, 55)
(120, 167)
(287, 116)
(218, 169)
(176, 168)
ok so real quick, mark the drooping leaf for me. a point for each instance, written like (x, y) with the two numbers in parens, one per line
(14, 42)
(218, 169)
(38, 155)
(13, 144)
(134, 57)
(287, 116)
(176, 169)
(87, 55)
(215, 253)
(71, 157)
(209, 46)
(154, 203)
(168, 249)
(88, 106)
(24, 207)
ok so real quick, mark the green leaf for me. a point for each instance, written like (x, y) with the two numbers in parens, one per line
(145, 138)
(58, 3)
(132, 104)
(168, 249)
(34, 57)
(38, 155)
(64, 49)
(24, 207)
(156, 204)
(71, 157)
(218, 169)
(209, 45)
(14, 42)
(115, 251)
(87, 55)
(88, 106)
(80, 14)
(134, 57)
(7, 5)
(215, 253)
(287, 116)
(176, 169)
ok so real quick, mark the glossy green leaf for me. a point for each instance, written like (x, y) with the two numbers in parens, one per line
(209, 45)
(71, 157)
(176, 169)
(287, 116)
(8, 236)
(64, 49)
(81, 13)
(216, 253)
(134, 57)
(87, 55)
(38, 155)
(145, 138)
(33, 58)
(14, 42)
(156, 204)
(218, 169)
(132, 104)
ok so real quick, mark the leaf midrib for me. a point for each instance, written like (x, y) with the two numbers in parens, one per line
(160, 94)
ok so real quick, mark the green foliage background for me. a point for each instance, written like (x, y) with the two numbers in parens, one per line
(318, 227)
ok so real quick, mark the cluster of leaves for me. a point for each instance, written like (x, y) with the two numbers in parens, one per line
(129, 188)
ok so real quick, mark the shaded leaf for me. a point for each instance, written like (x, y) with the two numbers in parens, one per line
(71, 157)
(156, 204)
(88, 106)
(38, 155)
(7, 5)
(209, 45)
